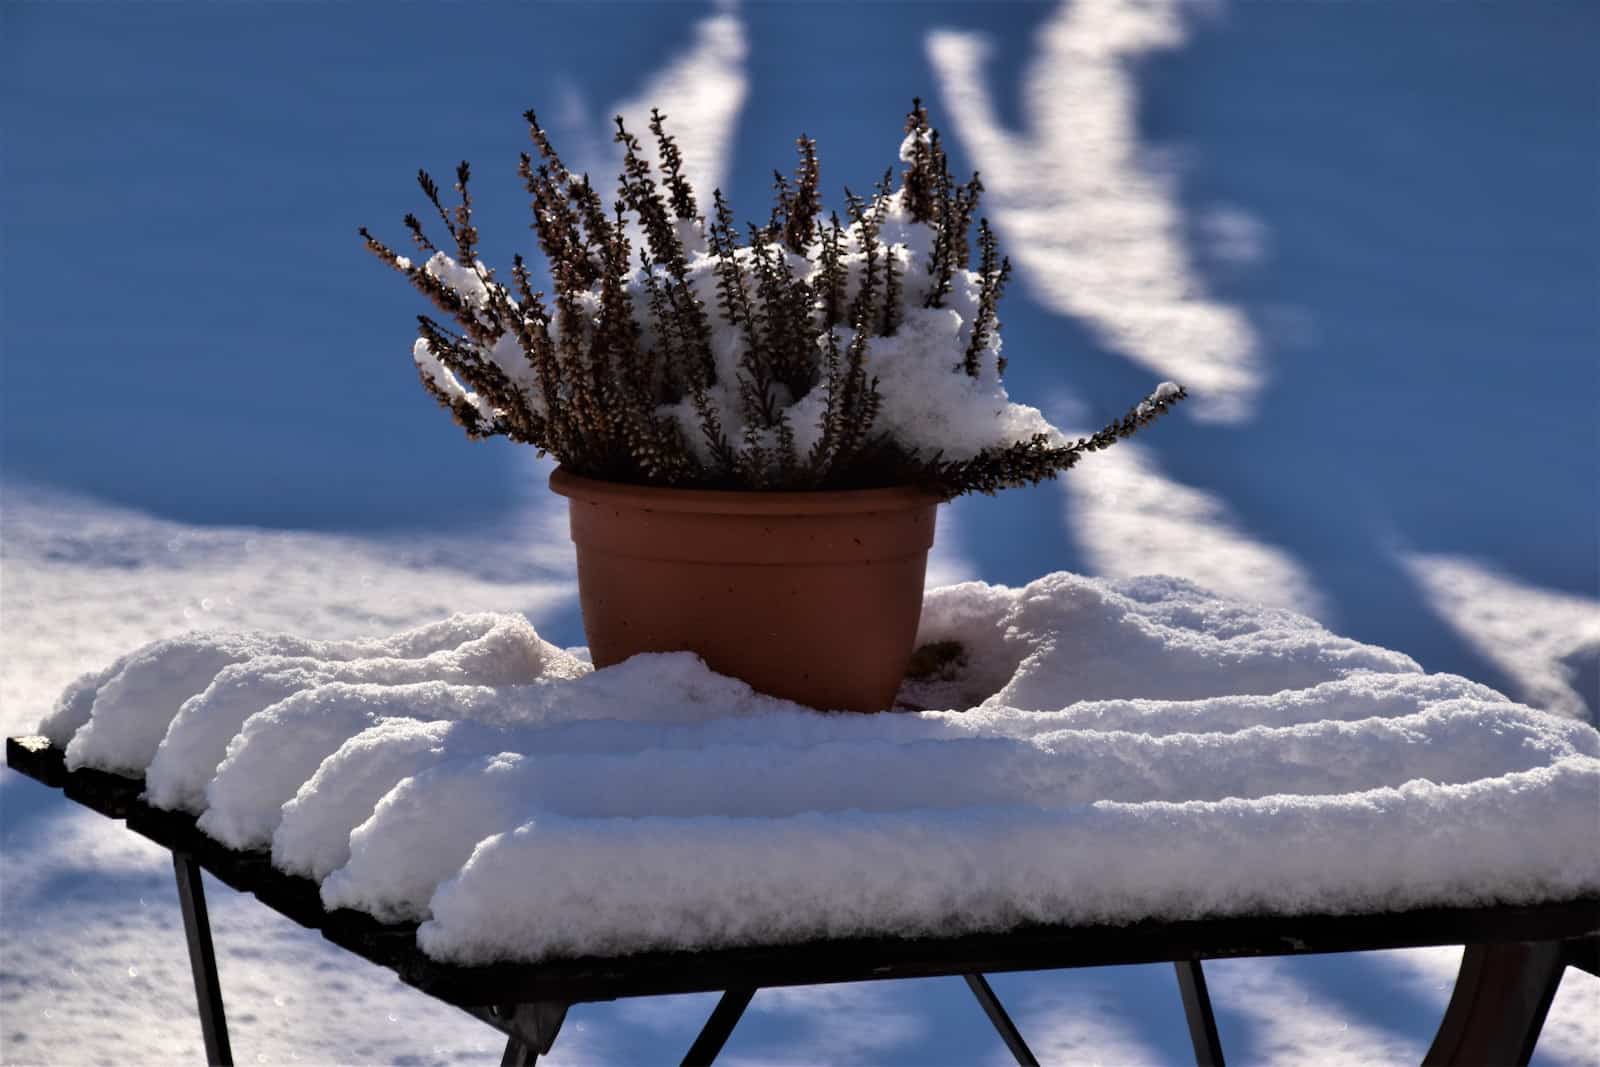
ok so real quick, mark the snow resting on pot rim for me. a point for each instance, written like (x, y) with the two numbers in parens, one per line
(1112, 750)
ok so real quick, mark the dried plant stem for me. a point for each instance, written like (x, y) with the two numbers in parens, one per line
(620, 372)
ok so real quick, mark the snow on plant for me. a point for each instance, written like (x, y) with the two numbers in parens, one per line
(838, 353)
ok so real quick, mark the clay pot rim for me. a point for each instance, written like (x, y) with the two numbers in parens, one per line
(740, 501)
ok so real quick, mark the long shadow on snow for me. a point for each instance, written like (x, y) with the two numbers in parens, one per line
(250, 363)
(1419, 174)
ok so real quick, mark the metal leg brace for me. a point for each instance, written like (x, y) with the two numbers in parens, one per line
(1197, 1010)
(1498, 1007)
(1002, 1022)
(202, 960)
(724, 1017)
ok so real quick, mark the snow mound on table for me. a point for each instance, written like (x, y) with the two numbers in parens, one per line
(1065, 638)
(1106, 751)
(314, 835)
(116, 719)
(559, 886)
(470, 799)
(666, 690)
(468, 650)
(283, 745)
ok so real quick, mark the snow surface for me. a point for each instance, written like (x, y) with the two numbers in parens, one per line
(1213, 757)
(558, 886)
(479, 649)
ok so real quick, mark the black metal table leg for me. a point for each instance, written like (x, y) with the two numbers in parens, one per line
(530, 1028)
(202, 960)
(518, 1053)
(1197, 1010)
(724, 1017)
(1497, 1009)
(1002, 1022)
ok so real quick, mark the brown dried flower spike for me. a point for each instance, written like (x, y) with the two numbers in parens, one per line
(773, 358)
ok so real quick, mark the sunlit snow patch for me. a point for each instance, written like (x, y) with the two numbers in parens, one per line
(1547, 642)
(1131, 519)
(1095, 229)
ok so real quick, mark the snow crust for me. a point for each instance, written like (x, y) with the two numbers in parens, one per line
(1098, 751)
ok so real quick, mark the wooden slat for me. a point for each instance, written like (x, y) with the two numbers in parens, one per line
(387, 944)
(109, 794)
(38, 759)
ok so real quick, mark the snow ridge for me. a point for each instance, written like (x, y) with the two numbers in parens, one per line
(482, 649)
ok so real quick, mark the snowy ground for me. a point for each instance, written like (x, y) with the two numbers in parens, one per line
(1366, 232)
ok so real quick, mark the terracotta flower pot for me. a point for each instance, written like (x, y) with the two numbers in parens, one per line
(810, 596)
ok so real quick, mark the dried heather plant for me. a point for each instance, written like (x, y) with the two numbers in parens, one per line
(813, 354)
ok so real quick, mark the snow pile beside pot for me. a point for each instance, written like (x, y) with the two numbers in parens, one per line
(1108, 751)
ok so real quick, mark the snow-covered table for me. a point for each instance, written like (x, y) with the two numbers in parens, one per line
(1133, 772)
(1514, 962)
